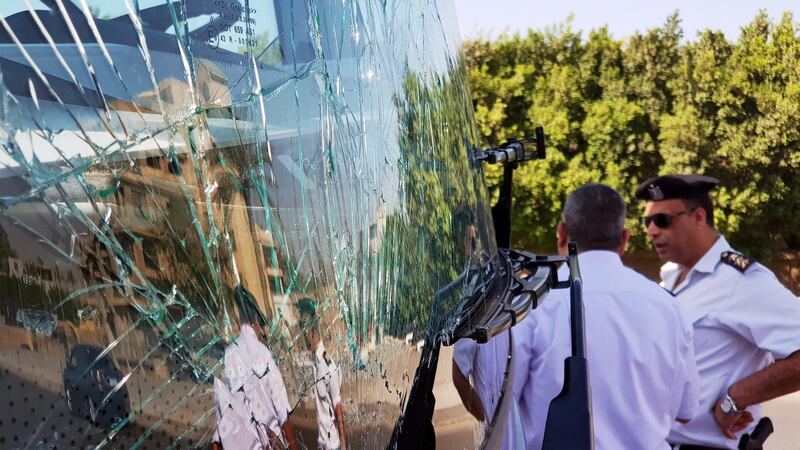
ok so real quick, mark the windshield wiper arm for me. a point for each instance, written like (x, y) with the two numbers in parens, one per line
(519, 282)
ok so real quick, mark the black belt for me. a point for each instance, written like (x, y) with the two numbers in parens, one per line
(752, 441)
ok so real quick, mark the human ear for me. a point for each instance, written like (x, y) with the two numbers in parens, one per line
(626, 235)
(562, 238)
(699, 216)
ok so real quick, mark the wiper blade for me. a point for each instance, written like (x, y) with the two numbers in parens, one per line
(516, 283)
(569, 419)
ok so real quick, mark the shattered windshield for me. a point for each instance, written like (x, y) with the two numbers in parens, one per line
(207, 201)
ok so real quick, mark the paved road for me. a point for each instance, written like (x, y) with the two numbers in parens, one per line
(34, 412)
(48, 422)
(785, 415)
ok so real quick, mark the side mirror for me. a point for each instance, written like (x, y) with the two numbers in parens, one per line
(510, 154)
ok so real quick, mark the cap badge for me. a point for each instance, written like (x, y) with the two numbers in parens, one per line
(655, 192)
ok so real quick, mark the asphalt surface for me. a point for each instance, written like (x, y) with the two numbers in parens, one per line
(48, 423)
(34, 414)
(785, 415)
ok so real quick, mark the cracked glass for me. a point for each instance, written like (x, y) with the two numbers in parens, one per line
(232, 221)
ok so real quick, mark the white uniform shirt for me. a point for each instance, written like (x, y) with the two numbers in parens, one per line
(485, 367)
(742, 323)
(328, 389)
(251, 398)
(642, 373)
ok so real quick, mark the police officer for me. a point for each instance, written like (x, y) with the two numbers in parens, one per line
(641, 367)
(478, 374)
(746, 324)
(328, 385)
(252, 408)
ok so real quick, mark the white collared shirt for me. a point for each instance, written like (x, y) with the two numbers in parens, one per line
(328, 390)
(742, 322)
(485, 367)
(642, 372)
(251, 397)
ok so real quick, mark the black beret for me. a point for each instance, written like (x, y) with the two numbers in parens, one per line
(666, 187)
(248, 309)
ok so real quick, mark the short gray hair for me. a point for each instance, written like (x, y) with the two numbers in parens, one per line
(594, 215)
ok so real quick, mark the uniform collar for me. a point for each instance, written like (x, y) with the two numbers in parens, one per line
(594, 258)
(709, 261)
(245, 358)
(247, 333)
(707, 264)
(601, 258)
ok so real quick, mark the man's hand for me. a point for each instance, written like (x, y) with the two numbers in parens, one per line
(339, 410)
(730, 425)
(288, 433)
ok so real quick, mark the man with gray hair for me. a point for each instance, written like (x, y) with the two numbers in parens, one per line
(642, 373)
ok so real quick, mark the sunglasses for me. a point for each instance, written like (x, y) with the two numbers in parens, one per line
(662, 220)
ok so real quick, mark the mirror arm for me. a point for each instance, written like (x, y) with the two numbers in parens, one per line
(510, 154)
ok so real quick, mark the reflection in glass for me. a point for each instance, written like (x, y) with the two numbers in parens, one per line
(327, 380)
(252, 407)
(178, 178)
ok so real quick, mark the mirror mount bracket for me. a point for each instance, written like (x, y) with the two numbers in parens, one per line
(511, 154)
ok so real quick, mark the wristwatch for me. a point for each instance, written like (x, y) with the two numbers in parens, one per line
(728, 406)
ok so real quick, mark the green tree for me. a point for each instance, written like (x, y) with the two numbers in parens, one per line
(620, 111)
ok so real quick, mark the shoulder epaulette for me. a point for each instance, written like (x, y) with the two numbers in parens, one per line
(737, 260)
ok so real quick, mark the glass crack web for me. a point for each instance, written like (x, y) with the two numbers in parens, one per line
(157, 156)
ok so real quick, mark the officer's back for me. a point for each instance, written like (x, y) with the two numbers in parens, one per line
(641, 363)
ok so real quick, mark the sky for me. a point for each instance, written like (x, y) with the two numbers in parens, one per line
(488, 18)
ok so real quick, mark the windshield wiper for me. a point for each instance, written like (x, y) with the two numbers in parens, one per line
(516, 285)
(520, 280)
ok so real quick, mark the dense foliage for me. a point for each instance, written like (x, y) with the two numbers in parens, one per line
(425, 238)
(620, 111)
